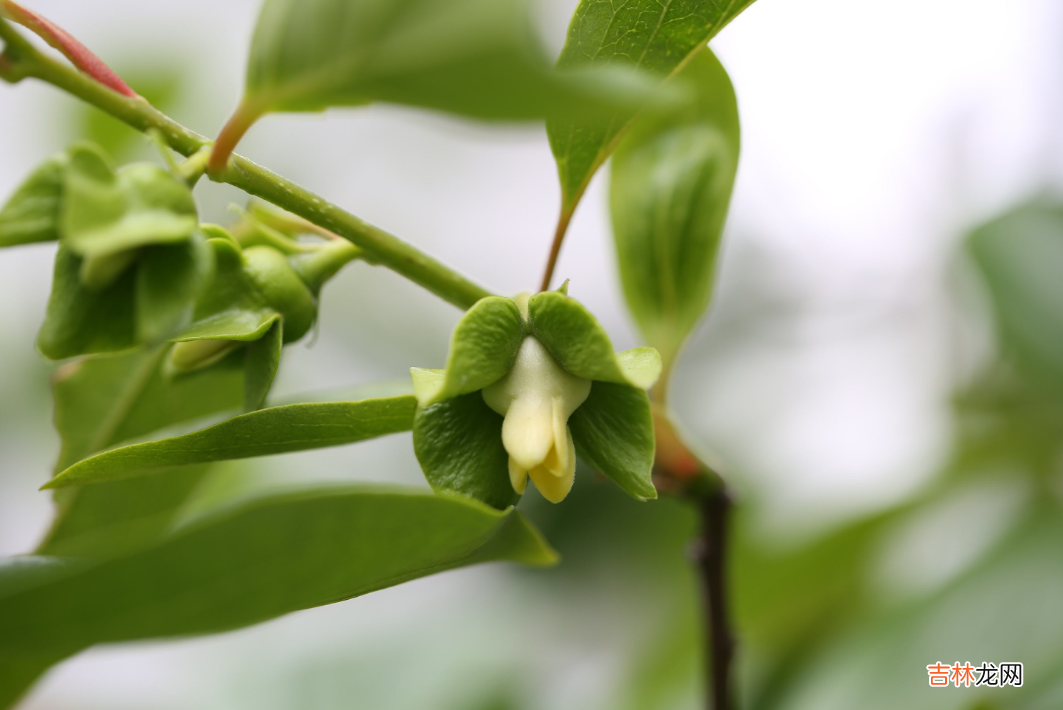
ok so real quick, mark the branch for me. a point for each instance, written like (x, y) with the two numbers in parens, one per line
(22, 60)
(711, 556)
(680, 472)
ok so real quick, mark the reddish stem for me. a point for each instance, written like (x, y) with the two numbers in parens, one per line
(224, 145)
(78, 54)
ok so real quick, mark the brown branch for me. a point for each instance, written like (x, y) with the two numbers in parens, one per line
(680, 472)
(711, 557)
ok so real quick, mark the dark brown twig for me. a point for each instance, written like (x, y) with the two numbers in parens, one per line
(714, 509)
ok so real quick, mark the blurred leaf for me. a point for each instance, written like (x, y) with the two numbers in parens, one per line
(101, 401)
(1002, 609)
(253, 562)
(31, 214)
(613, 432)
(650, 35)
(458, 443)
(112, 520)
(671, 185)
(475, 58)
(581, 345)
(1020, 255)
(291, 427)
(263, 359)
(482, 350)
(105, 400)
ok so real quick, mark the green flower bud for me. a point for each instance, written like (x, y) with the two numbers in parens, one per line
(196, 354)
(282, 290)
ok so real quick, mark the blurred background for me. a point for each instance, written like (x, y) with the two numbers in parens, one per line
(893, 438)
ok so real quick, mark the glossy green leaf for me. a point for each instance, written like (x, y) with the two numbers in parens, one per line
(246, 564)
(613, 432)
(1020, 255)
(482, 349)
(650, 35)
(672, 178)
(458, 443)
(104, 213)
(145, 304)
(32, 212)
(276, 430)
(470, 57)
(581, 345)
(260, 367)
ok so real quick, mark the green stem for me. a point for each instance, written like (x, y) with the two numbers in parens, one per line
(380, 246)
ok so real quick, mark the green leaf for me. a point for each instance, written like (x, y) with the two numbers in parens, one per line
(276, 430)
(104, 400)
(113, 520)
(581, 345)
(31, 215)
(458, 443)
(482, 350)
(260, 367)
(613, 432)
(246, 564)
(475, 58)
(1020, 255)
(653, 36)
(672, 178)
(104, 213)
(951, 624)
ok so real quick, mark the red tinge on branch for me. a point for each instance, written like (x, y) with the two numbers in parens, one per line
(78, 54)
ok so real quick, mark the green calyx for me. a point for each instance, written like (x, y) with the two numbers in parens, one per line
(130, 262)
(529, 382)
(259, 299)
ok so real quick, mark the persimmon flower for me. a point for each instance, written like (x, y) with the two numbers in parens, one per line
(530, 383)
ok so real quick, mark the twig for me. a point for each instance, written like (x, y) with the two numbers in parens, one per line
(23, 60)
(714, 511)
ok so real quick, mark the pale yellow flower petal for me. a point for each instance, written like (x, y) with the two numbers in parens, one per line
(518, 477)
(527, 432)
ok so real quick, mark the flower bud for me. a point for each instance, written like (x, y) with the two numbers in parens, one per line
(282, 289)
(536, 398)
(197, 354)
